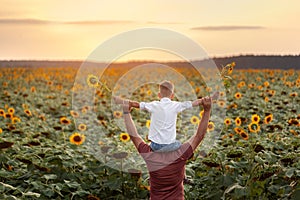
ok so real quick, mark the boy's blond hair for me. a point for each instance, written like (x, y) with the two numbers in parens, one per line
(166, 88)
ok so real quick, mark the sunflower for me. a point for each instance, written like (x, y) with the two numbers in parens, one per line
(238, 95)
(266, 84)
(254, 127)
(238, 121)
(148, 122)
(28, 112)
(221, 103)
(268, 119)
(2, 112)
(15, 120)
(92, 81)
(201, 113)
(238, 130)
(1, 131)
(251, 85)
(32, 89)
(266, 99)
(241, 84)
(77, 138)
(210, 126)
(82, 127)
(255, 118)
(11, 110)
(117, 114)
(293, 94)
(244, 135)
(124, 137)
(74, 113)
(64, 120)
(8, 115)
(227, 121)
(230, 69)
(194, 120)
(149, 92)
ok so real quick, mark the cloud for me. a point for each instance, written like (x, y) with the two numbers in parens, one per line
(99, 22)
(226, 28)
(155, 22)
(24, 21)
(40, 21)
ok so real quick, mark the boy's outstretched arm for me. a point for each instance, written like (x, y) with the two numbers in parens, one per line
(131, 129)
(202, 127)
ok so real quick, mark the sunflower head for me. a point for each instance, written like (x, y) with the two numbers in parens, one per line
(254, 127)
(148, 122)
(82, 127)
(194, 120)
(77, 138)
(15, 120)
(124, 137)
(28, 112)
(92, 81)
(74, 113)
(210, 126)
(227, 121)
(64, 120)
(255, 118)
(244, 135)
(238, 95)
(268, 119)
(11, 110)
(2, 112)
(117, 114)
(238, 121)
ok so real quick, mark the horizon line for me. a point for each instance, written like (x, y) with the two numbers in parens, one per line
(145, 60)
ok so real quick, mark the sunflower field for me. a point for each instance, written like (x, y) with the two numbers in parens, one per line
(46, 155)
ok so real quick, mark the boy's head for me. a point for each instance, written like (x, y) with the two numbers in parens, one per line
(166, 89)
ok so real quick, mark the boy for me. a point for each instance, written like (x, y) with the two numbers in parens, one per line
(162, 133)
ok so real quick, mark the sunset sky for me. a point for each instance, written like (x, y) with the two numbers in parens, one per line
(71, 30)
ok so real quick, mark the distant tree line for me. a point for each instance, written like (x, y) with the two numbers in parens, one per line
(242, 62)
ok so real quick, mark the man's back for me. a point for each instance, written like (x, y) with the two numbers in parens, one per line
(166, 171)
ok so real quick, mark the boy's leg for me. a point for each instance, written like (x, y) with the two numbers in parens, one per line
(155, 146)
(170, 147)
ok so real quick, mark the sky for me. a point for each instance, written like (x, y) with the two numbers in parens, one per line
(71, 30)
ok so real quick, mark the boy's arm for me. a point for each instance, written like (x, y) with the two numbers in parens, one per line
(198, 102)
(132, 104)
(202, 127)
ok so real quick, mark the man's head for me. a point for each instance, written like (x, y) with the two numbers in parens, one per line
(166, 89)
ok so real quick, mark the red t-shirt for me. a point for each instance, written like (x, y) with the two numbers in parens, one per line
(166, 171)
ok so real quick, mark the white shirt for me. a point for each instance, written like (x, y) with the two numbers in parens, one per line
(163, 119)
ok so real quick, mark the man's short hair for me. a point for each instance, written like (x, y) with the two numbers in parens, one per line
(166, 88)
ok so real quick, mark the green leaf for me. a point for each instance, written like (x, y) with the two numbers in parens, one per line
(290, 172)
(31, 194)
(50, 176)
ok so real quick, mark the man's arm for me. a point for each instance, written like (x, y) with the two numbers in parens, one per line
(131, 129)
(202, 127)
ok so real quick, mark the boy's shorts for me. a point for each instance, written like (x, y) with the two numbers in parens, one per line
(165, 147)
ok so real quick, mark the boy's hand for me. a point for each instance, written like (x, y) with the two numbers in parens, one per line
(206, 103)
(215, 96)
(118, 100)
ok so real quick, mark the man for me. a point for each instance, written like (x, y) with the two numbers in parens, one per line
(167, 169)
